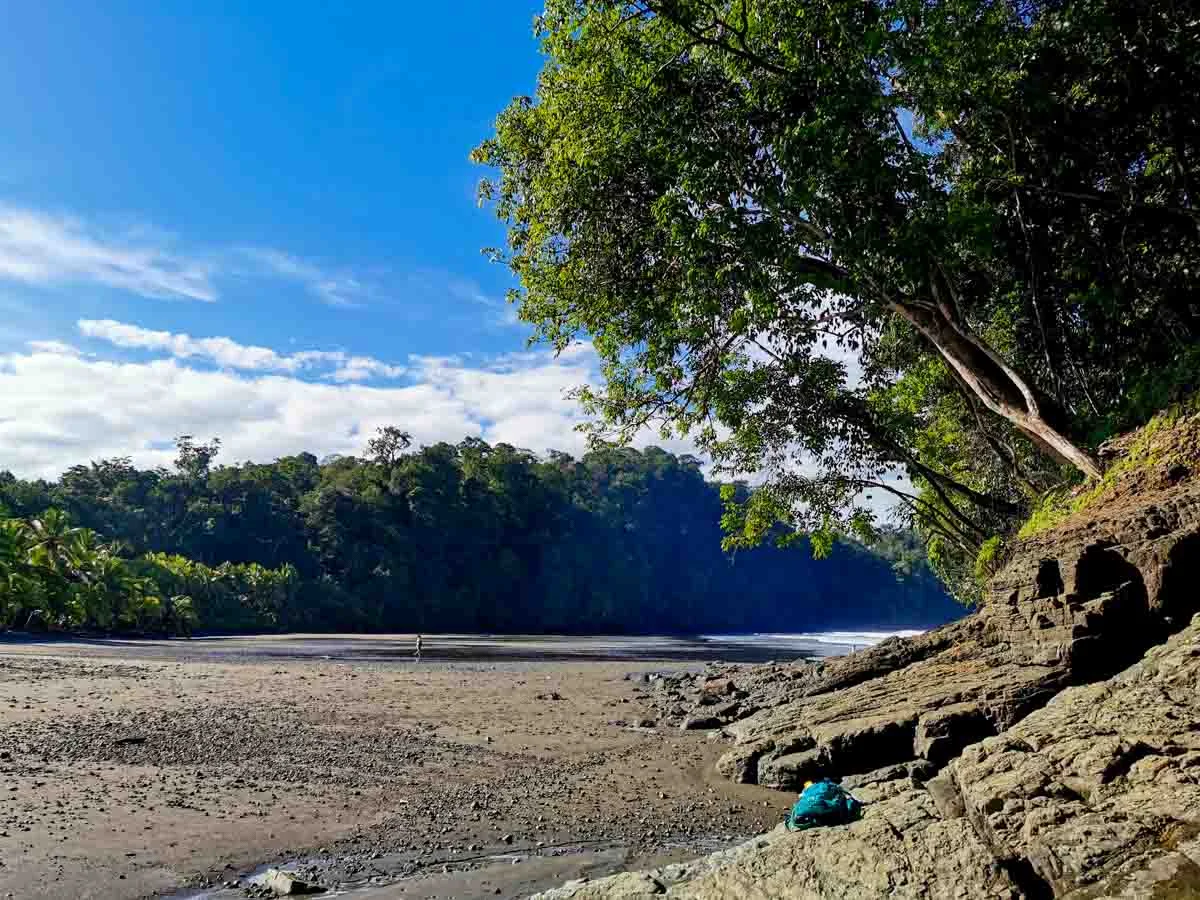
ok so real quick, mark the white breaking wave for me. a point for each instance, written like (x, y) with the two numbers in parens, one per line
(833, 638)
(869, 638)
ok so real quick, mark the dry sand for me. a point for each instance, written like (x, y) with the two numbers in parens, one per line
(151, 771)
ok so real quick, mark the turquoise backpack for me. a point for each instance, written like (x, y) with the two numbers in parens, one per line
(823, 803)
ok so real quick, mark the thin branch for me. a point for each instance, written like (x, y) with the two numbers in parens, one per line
(934, 517)
(700, 37)
(1103, 199)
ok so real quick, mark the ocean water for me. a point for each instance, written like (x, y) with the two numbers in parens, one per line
(814, 643)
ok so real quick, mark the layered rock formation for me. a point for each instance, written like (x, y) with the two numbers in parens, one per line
(1076, 604)
(1095, 795)
(999, 755)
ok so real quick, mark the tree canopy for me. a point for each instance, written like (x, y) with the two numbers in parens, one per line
(465, 536)
(841, 240)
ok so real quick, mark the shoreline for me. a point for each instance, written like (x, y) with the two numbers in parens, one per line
(479, 649)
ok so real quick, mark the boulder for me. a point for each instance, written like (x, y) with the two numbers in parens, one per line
(624, 886)
(286, 884)
(740, 764)
(790, 771)
(717, 687)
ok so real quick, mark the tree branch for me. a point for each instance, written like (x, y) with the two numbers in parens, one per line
(742, 52)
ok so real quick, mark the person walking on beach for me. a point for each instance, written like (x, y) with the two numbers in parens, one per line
(417, 655)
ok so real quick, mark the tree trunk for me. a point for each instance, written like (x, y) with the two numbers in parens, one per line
(996, 385)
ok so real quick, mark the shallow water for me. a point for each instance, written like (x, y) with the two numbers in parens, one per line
(467, 648)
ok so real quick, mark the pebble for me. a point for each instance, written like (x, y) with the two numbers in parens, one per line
(411, 780)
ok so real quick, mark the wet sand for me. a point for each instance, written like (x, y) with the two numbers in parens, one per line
(478, 648)
(144, 769)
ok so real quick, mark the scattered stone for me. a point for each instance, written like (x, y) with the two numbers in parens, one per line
(717, 687)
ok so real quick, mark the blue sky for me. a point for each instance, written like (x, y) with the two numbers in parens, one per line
(335, 134)
(258, 221)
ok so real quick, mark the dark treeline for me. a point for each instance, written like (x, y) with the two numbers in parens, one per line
(466, 537)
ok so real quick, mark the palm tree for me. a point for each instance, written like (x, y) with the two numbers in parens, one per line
(17, 582)
(70, 577)
(50, 536)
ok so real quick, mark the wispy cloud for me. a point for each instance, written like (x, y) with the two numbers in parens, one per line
(500, 311)
(332, 287)
(47, 250)
(41, 249)
(228, 353)
(55, 347)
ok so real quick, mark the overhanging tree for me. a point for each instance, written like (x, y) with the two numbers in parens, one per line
(714, 192)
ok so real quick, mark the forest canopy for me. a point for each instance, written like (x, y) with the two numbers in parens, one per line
(465, 537)
(985, 208)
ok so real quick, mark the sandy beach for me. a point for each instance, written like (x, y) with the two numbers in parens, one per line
(181, 768)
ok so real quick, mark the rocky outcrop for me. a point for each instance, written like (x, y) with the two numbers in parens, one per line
(897, 849)
(1096, 795)
(1074, 606)
(1100, 790)
(1048, 745)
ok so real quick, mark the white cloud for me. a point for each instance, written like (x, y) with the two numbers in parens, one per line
(58, 409)
(361, 368)
(229, 354)
(55, 347)
(42, 250)
(47, 250)
(333, 288)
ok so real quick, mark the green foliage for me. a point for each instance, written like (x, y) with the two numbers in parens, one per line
(729, 201)
(229, 597)
(989, 558)
(1052, 509)
(62, 577)
(1149, 449)
(448, 537)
